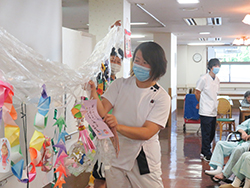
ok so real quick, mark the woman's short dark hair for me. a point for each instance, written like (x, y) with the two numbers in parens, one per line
(154, 55)
(213, 62)
(247, 94)
(113, 52)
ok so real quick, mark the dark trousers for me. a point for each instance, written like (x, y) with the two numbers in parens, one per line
(208, 125)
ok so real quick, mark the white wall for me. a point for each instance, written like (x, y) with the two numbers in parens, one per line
(188, 72)
(77, 48)
(38, 25)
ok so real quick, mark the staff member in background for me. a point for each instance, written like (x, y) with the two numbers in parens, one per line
(206, 91)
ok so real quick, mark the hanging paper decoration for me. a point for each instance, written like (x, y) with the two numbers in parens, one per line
(1, 114)
(41, 117)
(40, 122)
(47, 157)
(17, 169)
(62, 136)
(60, 122)
(5, 150)
(95, 121)
(59, 182)
(31, 174)
(44, 102)
(60, 163)
(35, 156)
(127, 43)
(103, 78)
(8, 113)
(37, 140)
(78, 111)
(77, 153)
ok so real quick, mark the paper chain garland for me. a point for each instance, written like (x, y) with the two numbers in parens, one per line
(40, 147)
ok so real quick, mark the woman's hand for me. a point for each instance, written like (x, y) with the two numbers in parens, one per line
(111, 121)
(92, 88)
(92, 85)
(244, 136)
(117, 23)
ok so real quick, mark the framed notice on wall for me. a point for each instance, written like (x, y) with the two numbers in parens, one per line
(127, 44)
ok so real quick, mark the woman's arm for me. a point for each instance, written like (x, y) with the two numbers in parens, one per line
(145, 132)
(197, 96)
(103, 106)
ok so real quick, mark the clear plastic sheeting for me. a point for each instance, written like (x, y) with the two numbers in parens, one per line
(27, 71)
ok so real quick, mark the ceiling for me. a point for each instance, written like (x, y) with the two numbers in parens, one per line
(172, 14)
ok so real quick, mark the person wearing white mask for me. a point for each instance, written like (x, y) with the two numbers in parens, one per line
(140, 110)
(115, 62)
(206, 92)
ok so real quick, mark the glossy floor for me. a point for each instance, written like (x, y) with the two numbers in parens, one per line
(181, 163)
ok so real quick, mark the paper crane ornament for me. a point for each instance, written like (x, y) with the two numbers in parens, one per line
(61, 170)
(62, 136)
(59, 182)
(60, 158)
(60, 123)
(61, 147)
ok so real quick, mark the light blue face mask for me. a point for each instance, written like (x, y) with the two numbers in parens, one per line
(216, 70)
(141, 73)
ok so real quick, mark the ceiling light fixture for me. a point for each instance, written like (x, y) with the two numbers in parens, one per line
(138, 5)
(188, 1)
(139, 23)
(246, 19)
(206, 44)
(242, 41)
(189, 9)
(204, 33)
(145, 41)
(137, 36)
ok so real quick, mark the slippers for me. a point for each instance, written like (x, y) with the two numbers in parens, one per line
(217, 180)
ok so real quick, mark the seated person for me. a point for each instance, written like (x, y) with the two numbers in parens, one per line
(246, 100)
(225, 148)
(241, 171)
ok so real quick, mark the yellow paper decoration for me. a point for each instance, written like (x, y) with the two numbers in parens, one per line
(12, 133)
(37, 140)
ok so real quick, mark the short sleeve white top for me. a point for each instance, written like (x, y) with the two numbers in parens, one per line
(209, 89)
(132, 106)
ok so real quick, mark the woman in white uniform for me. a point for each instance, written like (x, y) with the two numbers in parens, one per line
(140, 110)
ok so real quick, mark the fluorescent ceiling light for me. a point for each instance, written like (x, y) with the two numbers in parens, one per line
(205, 43)
(145, 41)
(204, 33)
(139, 23)
(138, 5)
(137, 36)
(246, 20)
(188, 1)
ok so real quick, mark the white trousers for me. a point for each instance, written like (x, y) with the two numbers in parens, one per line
(119, 178)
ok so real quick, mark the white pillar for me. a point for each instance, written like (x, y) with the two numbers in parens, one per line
(168, 42)
(102, 14)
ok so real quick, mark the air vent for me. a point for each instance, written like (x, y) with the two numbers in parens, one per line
(203, 21)
(214, 21)
(214, 39)
(202, 39)
(210, 39)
